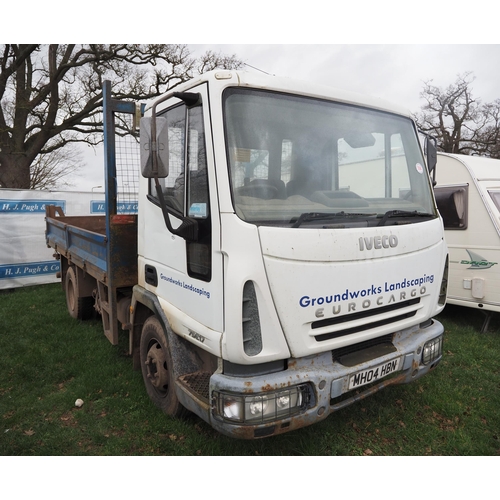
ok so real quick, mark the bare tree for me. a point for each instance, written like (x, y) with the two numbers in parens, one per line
(50, 171)
(460, 122)
(51, 97)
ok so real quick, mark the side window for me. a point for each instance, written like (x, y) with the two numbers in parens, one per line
(452, 202)
(199, 253)
(186, 187)
(197, 167)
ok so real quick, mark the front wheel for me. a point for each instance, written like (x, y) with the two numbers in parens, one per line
(157, 369)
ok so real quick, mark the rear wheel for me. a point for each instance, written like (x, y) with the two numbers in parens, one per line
(157, 370)
(78, 307)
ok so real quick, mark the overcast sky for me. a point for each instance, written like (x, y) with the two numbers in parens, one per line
(395, 72)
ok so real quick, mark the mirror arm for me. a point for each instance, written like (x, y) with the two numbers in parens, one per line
(189, 227)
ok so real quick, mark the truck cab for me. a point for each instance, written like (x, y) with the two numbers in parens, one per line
(290, 253)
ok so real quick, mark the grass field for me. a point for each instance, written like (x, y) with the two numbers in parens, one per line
(48, 360)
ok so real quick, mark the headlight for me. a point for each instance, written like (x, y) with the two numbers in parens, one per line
(432, 350)
(256, 408)
(232, 408)
(258, 405)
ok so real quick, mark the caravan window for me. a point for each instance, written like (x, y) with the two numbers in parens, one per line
(495, 196)
(452, 202)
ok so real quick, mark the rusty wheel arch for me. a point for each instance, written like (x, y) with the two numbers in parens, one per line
(140, 315)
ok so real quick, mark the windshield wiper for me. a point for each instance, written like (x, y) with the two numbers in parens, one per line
(308, 216)
(402, 213)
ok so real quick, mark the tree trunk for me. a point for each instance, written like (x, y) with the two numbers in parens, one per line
(14, 172)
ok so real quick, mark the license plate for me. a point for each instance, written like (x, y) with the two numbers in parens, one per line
(374, 374)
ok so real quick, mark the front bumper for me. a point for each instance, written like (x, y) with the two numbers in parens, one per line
(327, 381)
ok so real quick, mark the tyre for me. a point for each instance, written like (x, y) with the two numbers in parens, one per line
(78, 307)
(157, 370)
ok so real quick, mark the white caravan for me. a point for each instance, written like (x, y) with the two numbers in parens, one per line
(468, 197)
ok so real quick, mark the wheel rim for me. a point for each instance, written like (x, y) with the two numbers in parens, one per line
(156, 367)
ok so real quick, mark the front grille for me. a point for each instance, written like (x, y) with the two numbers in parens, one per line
(361, 315)
(339, 353)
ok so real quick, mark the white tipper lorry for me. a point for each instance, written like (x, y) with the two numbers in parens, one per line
(286, 259)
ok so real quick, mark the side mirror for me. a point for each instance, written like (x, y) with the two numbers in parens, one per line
(431, 154)
(154, 150)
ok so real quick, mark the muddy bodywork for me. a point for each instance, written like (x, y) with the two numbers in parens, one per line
(105, 256)
(328, 383)
(324, 377)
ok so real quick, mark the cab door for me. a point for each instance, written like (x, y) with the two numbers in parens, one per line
(187, 274)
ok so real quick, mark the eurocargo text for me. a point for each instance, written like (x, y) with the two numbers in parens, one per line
(409, 288)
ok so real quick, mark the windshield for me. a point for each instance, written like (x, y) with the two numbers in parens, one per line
(322, 163)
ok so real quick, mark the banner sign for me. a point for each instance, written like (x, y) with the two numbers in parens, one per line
(99, 207)
(25, 258)
(29, 269)
(28, 206)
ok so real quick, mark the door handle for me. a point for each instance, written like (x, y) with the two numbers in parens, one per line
(151, 275)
